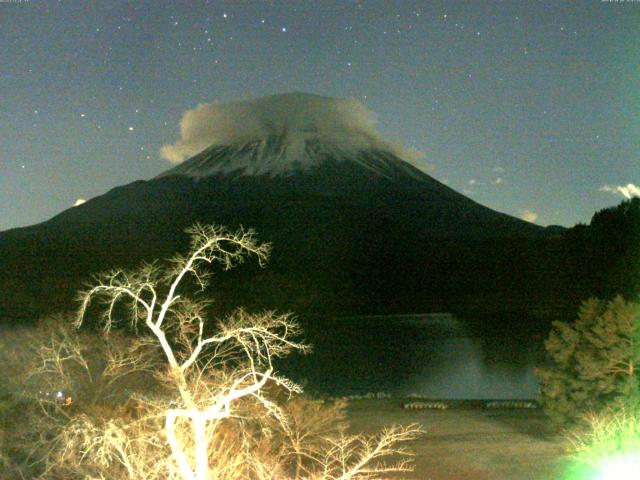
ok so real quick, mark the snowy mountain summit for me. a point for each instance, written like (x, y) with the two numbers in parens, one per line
(280, 135)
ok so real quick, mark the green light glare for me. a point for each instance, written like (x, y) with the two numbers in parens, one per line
(620, 467)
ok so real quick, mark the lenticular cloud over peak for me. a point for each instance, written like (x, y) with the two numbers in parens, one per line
(296, 117)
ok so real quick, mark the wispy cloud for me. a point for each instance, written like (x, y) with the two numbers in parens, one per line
(528, 216)
(498, 181)
(629, 190)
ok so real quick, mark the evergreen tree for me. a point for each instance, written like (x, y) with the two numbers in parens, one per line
(595, 360)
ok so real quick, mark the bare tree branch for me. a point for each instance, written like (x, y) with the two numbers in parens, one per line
(216, 386)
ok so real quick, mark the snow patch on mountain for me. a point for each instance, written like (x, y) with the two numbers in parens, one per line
(284, 156)
(276, 134)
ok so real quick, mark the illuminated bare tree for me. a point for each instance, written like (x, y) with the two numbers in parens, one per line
(249, 342)
(363, 458)
(212, 370)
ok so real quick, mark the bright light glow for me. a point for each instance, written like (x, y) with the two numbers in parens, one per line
(622, 467)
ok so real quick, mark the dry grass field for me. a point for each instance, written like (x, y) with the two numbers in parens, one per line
(466, 442)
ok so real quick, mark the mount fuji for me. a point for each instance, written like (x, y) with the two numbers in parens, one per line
(355, 227)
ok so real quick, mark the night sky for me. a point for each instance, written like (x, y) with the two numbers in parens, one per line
(529, 107)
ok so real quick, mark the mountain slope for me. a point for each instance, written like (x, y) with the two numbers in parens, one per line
(343, 238)
(363, 175)
(355, 228)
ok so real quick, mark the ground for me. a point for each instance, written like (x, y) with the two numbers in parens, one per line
(466, 442)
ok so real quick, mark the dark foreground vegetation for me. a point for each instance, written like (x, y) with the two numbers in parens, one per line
(150, 387)
(168, 394)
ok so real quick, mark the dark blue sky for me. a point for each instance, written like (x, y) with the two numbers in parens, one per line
(529, 107)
